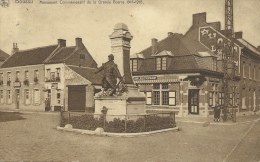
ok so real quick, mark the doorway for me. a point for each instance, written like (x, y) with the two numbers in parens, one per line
(193, 101)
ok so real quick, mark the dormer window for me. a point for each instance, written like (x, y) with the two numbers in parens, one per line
(161, 63)
(133, 65)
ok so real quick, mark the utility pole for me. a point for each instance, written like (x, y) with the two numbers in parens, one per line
(228, 57)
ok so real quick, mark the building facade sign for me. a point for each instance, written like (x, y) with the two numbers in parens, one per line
(145, 78)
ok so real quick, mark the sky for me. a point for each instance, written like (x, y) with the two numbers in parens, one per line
(34, 25)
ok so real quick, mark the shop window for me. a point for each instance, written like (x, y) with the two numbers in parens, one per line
(221, 98)
(9, 96)
(134, 64)
(162, 95)
(1, 96)
(156, 97)
(36, 96)
(213, 95)
(26, 96)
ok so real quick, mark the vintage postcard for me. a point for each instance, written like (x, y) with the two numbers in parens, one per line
(129, 80)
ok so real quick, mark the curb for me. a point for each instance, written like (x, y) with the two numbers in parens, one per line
(33, 112)
(89, 132)
(219, 123)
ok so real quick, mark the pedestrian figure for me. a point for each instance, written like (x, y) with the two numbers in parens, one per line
(216, 113)
(47, 104)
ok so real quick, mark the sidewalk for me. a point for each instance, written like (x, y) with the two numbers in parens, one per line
(210, 120)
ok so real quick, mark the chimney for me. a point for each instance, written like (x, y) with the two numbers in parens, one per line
(215, 25)
(78, 42)
(239, 35)
(154, 45)
(15, 48)
(227, 32)
(62, 42)
(199, 18)
(258, 48)
(170, 33)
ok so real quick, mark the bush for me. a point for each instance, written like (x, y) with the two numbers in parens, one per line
(142, 124)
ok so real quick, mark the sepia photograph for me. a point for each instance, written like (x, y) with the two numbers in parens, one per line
(130, 80)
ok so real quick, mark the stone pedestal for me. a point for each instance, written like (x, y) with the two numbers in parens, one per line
(130, 103)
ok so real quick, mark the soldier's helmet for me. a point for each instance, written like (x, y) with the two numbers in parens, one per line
(111, 56)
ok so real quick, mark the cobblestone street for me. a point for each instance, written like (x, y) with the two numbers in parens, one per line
(36, 138)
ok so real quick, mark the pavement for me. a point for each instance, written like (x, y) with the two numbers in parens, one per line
(210, 120)
(36, 138)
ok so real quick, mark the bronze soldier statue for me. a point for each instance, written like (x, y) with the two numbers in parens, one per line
(110, 74)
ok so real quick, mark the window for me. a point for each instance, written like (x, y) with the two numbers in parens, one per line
(58, 97)
(1, 96)
(1, 78)
(9, 76)
(57, 74)
(214, 64)
(213, 95)
(82, 56)
(36, 96)
(17, 78)
(134, 65)
(162, 95)
(249, 71)
(9, 96)
(36, 75)
(26, 75)
(26, 95)
(156, 97)
(243, 69)
(165, 94)
(221, 98)
(52, 76)
(254, 73)
(48, 74)
(161, 63)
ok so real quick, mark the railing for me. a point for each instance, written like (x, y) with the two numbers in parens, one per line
(119, 123)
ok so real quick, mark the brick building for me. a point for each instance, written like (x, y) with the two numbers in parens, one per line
(183, 73)
(34, 75)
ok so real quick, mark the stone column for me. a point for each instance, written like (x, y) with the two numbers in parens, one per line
(120, 48)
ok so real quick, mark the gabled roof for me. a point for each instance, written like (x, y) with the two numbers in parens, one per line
(178, 45)
(61, 55)
(88, 73)
(163, 53)
(3, 55)
(29, 57)
(249, 46)
(178, 63)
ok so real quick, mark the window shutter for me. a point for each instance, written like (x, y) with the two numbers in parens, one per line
(172, 98)
(148, 98)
